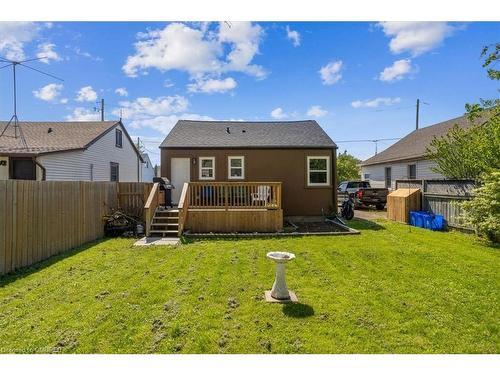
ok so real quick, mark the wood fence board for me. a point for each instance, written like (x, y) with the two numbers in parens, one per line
(39, 219)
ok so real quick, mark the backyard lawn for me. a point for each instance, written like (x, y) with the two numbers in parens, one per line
(388, 290)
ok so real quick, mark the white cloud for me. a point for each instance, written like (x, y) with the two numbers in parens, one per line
(164, 124)
(330, 73)
(244, 39)
(416, 37)
(168, 83)
(49, 92)
(159, 113)
(83, 114)
(397, 71)
(374, 103)
(278, 113)
(63, 100)
(197, 51)
(316, 111)
(86, 94)
(145, 108)
(13, 37)
(46, 50)
(122, 91)
(293, 36)
(87, 55)
(212, 85)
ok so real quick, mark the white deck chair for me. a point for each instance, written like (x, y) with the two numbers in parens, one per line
(262, 195)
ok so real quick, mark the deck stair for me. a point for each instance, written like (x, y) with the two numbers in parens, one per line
(165, 222)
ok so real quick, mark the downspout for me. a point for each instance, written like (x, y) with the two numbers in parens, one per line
(44, 171)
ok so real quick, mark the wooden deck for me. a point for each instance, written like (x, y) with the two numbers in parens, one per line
(229, 207)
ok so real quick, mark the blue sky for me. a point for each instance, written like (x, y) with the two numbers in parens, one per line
(358, 80)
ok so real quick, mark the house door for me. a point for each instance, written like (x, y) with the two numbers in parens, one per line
(388, 177)
(180, 174)
(23, 169)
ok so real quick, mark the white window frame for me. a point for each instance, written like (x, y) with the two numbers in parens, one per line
(229, 177)
(327, 183)
(200, 159)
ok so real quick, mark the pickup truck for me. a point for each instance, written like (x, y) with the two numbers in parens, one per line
(364, 195)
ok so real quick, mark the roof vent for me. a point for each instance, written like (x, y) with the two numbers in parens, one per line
(243, 131)
(228, 131)
(49, 130)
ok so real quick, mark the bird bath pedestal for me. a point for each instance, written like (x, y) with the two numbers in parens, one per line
(280, 293)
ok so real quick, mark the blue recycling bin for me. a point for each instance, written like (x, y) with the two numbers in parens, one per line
(427, 220)
(434, 222)
(417, 218)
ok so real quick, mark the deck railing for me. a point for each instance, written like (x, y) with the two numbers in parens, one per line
(234, 195)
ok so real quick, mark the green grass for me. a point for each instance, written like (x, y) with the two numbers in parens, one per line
(388, 290)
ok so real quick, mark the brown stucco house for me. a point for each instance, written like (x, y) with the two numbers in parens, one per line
(297, 154)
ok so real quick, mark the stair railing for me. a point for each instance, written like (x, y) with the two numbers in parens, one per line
(150, 207)
(183, 207)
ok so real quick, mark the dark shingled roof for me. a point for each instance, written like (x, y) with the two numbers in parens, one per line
(242, 134)
(414, 145)
(64, 136)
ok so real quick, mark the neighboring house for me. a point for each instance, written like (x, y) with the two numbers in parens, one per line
(406, 159)
(147, 169)
(299, 154)
(157, 171)
(69, 151)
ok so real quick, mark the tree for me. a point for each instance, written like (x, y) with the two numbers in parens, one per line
(483, 212)
(347, 167)
(475, 153)
(470, 153)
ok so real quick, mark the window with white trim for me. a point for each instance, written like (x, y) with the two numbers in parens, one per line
(207, 168)
(318, 171)
(236, 167)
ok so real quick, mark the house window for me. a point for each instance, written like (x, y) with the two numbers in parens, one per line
(236, 167)
(114, 172)
(366, 176)
(318, 171)
(388, 177)
(412, 171)
(119, 138)
(207, 168)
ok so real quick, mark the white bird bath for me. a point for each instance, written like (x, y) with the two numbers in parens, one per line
(280, 292)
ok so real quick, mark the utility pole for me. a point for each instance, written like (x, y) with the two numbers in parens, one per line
(138, 160)
(418, 109)
(102, 109)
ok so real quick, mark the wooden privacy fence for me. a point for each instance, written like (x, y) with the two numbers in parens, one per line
(41, 218)
(443, 197)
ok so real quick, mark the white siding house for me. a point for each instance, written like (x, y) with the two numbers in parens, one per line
(75, 151)
(376, 173)
(147, 169)
(406, 159)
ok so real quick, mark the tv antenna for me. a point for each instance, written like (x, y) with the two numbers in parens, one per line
(375, 141)
(14, 120)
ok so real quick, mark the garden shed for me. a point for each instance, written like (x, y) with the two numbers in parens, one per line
(400, 202)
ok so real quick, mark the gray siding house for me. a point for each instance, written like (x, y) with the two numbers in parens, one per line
(69, 151)
(406, 158)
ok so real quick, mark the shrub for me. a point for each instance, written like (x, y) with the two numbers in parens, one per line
(483, 212)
